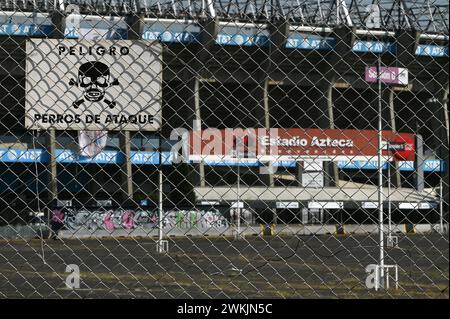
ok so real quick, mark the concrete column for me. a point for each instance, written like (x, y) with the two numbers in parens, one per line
(209, 28)
(407, 42)
(370, 122)
(208, 34)
(52, 166)
(322, 94)
(419, 179)
(135, 28)
(322, 98)
(126, 169)
(182, 178)
(324, 119)
(58, 19)
(194, 101)
(331, 171)
(278, 34)
(268, 178)
(135, 24)
(389, 114)
(267, 124)
(299, 172)
(59, 25)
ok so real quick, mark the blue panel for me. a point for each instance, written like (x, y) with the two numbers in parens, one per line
(71, 33)
(150, 158)
(372, 165)
(144, 158)
(18, 155)
(434, 166)
(31, 30)
(25, 29)
(373, 46)
(168, 36)
(406, 166)
(187, 34)
(105, 157)
(247, 163)
(287, 164)
(242, 39)
(310, 42)
(432, 50)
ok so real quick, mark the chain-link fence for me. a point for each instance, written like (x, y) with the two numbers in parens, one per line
(224, 148)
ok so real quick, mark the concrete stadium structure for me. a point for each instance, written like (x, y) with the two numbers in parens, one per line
(238, 64)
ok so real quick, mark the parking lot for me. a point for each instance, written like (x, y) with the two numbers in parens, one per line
(203, 267)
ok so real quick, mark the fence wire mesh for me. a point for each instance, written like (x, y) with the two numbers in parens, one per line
(220, 148)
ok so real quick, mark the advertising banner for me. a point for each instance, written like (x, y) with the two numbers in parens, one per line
(93, 85)
(280, 144)
(388, 75)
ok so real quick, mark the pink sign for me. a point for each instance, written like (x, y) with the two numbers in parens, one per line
(389, 75)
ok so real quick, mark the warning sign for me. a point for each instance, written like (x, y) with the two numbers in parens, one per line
(93, 85)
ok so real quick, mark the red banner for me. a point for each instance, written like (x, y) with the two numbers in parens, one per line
(298, 144)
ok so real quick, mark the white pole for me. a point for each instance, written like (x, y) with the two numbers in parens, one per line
(238, 190)
(441, 208)
(160, 202)
(380, 175)
(389, 198)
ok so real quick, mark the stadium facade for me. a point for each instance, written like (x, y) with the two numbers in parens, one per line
(227, 64)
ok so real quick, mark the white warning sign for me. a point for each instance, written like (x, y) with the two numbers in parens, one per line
(93, 85)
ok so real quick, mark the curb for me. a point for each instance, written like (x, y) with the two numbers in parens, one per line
(28, 232)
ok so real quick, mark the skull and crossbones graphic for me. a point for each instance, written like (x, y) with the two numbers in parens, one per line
(94, 78)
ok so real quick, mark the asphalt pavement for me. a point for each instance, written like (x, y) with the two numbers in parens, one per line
(254, 267)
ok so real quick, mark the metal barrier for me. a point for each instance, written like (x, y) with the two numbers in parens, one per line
(220, 148)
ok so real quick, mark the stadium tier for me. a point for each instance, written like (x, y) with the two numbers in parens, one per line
(427, 16)
(229, 64)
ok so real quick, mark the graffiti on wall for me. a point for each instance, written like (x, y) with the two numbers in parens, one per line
(111, 219)
(195, 218)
